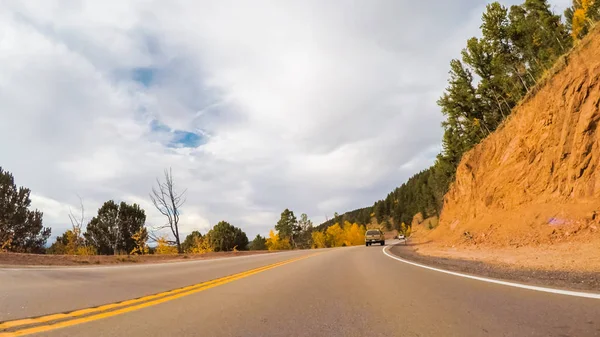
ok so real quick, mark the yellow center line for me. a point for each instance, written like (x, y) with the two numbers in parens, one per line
(81, 312)
(129, 305)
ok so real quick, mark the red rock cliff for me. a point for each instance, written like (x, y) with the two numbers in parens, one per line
(536, 179)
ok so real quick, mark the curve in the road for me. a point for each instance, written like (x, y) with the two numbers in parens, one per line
(489, 280)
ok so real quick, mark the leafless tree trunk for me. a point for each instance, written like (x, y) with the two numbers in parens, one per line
(77, 220)
(167, 201)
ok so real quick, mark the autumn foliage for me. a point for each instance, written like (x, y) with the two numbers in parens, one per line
(197, 244)
(319, 240)
(338, 236)
(164, 247)
(71, 243)
(140, 237)
(275, 242)
(582, 16)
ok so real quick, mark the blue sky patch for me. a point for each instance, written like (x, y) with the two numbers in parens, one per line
(144, 75)
(178, 138)
(156, 126)
(186, 139)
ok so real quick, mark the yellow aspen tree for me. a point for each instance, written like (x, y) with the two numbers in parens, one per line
(274, 242)
(319, 240)
(357, 235)
(347, 233)
(163, 247)
(5, 246)
(578, 23)
(72, 242)
(353, 235)
(201, 245)
(582, 17)
(140, 237)
(85, 250)
(335, 236)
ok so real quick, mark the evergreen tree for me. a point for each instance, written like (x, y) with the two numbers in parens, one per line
(287, 226)
(224, 237)
(380, 211)
(259, 243)
(21, 229)
(112, 230)
(304, 240)
(131, 220)
(103, 230)
(465, 124)
(191, 241)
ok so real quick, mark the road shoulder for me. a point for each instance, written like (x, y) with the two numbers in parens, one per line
(566, 279)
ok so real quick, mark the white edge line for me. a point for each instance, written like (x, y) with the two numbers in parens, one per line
(504, 283)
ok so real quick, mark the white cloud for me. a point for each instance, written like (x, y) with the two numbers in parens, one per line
(318, 106)
(54, 211)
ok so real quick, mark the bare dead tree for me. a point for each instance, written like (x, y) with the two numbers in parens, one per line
(77, 220)
(154, 235)
(168, 202)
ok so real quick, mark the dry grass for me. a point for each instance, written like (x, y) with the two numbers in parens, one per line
(17, 259)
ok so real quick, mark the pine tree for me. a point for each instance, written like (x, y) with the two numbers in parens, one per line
(225, 237)
(287, 226)
(462, 108)
(304, 239)
(111, 231)
(102, 231)
(21, 229)
(538, 35)
(131, 220)
(191, 241)
(259, 243)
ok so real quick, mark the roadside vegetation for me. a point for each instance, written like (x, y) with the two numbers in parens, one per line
(290, 233)
(21, 229)
(119, 228)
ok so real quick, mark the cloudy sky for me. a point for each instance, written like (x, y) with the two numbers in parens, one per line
(317, 106)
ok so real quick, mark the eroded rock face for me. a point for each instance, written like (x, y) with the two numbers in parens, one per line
(541, 165)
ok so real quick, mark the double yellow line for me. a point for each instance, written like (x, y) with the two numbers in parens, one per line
(62, 320)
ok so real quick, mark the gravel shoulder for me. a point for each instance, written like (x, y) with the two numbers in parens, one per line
(557, 278)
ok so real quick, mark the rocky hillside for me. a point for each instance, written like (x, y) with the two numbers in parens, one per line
(536, 179)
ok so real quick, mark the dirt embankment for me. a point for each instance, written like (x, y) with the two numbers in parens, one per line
(16, 259)
(533, 186)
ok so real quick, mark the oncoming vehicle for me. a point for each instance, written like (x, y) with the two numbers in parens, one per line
(374, 236)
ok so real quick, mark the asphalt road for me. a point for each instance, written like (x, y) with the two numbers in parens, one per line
(356, 291)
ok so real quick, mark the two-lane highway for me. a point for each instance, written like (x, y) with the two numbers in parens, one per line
(356, 291)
